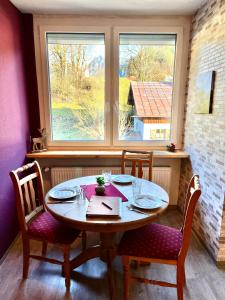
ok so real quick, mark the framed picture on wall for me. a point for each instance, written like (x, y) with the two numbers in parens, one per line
(204, 92)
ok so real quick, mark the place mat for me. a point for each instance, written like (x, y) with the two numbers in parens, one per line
(110, 190)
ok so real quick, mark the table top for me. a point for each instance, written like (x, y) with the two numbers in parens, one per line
(74, 214)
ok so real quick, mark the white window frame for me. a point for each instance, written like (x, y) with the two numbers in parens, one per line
(44, 96)
(111, 85)
(176, 104)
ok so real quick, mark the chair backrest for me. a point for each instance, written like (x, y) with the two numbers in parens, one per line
(192, 196)
(137, 159)
(28, 185)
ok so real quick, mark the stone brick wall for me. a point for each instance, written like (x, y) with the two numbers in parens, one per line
(204, 134)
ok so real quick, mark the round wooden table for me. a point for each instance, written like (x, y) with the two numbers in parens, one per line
(74, 215)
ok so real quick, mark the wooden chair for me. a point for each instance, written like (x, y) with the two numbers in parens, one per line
(38, 224)
(157, 243)
(137, 160)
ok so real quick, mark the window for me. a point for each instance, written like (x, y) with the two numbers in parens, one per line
(77, 86)
(110, 86)
(146, 73)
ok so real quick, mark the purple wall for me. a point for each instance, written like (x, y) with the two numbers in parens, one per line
(31, 77)
(14, 116)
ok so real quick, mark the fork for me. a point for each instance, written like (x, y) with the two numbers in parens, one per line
(136, 210)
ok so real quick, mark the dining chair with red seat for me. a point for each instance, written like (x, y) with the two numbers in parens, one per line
(156, 243)
(38, 224)
(137, 159)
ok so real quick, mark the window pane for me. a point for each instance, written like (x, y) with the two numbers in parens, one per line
(77, 85)
(146, 71)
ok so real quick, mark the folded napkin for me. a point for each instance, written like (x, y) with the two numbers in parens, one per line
(110, 190)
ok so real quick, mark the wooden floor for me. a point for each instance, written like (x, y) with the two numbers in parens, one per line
(205, 281)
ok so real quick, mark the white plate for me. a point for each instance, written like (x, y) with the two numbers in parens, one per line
(123, 179)
(147, 202)
(62, 193)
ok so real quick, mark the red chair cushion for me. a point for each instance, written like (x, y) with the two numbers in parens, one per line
(45, 227)
(152, 241)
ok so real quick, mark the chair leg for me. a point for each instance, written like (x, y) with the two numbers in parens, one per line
(66, 266)
(44, 248)
(84, 240)
(180, 281)
(184, 277)
(125, 261)
(26, 253)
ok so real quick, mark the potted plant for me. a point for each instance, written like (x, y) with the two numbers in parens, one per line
(171, 147)
(100, 188)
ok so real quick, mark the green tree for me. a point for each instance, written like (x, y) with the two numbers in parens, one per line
(68, 64)
(150, 63)
(77, 97)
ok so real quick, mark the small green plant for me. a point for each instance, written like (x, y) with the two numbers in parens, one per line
(100, 180)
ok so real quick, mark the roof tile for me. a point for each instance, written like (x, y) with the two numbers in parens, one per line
(152, 99)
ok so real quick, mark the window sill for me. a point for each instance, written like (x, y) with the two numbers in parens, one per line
(101, 154)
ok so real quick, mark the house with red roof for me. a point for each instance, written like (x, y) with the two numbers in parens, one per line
(152, 108)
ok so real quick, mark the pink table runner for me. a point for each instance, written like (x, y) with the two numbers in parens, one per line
(110, 190)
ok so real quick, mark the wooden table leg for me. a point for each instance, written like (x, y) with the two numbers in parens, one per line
(107, 244)
(108, 253)
(87, 254)
(111, 281)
